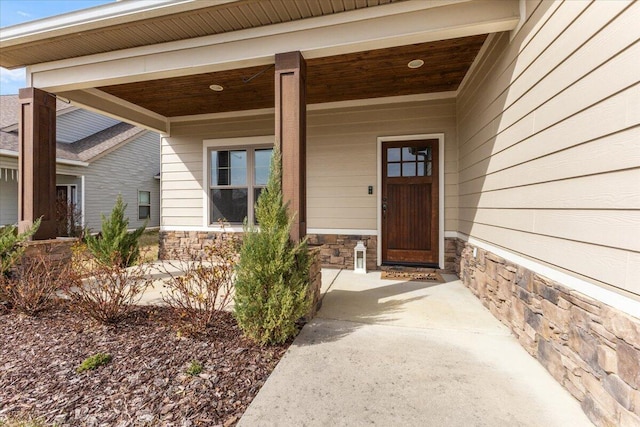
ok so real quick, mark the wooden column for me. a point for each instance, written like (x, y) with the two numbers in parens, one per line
(291, 135)
(37, 162)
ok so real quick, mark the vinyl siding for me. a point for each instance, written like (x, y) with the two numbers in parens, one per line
(125, 171)
(79, 124)
(9, 186)
(8, 196)
(549, 141)
(341, 160)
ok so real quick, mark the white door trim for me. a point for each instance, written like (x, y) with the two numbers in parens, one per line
(440, 138)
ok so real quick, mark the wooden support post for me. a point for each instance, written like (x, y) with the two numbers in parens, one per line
(291, 135)
(37, 162)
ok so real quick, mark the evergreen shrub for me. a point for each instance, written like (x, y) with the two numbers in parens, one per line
(115, 244)
(272, 275)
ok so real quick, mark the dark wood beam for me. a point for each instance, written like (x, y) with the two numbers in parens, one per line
(291, 135)
(37, 162)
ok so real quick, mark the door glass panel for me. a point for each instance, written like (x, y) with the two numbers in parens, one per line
(408, 153)
(424, 169)
(393, 154)
(409, 169)
(424, 153)
(393, 169)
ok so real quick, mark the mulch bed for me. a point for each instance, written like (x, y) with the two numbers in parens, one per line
(146, 381)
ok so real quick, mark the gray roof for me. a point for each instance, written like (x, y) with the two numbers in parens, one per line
(85, 150)
(9, 107)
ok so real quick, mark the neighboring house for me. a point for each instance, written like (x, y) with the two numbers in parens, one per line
(499, 139)
(97, 158)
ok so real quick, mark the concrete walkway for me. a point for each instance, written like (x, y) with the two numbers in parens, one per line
(393, 353)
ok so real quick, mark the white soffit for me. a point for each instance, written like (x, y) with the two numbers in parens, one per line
(120, 12)
(378, 27)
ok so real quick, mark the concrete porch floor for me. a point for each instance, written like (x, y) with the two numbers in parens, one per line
(384, 352)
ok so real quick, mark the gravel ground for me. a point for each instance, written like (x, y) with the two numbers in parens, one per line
(145, 383)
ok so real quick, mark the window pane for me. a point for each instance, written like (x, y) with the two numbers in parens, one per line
(219, 168)
(228, 167)
(144, 212)
(239, 168)
(408, 169)
(228, 204)
(393, 154)
(144, 197)
(262, 165)
(408, 153)
(393, 169)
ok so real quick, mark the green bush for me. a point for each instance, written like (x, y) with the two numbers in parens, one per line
(11, 248)
(273, 272)
(195, 368)
(115, 244)
(93, 362)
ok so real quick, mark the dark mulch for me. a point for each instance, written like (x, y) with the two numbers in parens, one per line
(145, 383)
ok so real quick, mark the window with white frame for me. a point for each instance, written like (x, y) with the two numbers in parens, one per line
(237, 176)
(144, 204)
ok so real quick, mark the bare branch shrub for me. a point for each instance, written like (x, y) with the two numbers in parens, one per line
(104, 291)
(200, 283)
(69, 219)
(31, 287)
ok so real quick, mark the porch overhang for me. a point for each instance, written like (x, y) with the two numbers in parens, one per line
(390, 26)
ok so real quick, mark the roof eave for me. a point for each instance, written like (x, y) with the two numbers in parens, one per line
(121, 12)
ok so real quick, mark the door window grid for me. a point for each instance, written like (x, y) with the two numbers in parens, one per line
(409, 161)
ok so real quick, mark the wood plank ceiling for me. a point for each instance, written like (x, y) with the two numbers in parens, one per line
(204, 21)
(361, 75)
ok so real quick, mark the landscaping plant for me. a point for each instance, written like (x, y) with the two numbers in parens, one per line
(115, 243)
(32, 286)
(273, 272)
(195, 368)
(104, 291)
(93, 362)
(11, 248)
(200, 283)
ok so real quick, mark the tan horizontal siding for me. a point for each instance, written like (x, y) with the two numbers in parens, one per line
(182, 174)
(549, 141)
(341, 153)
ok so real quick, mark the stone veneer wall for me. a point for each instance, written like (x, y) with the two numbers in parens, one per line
(591, 348)
(336, 250)
(182, 244)
(57, 252)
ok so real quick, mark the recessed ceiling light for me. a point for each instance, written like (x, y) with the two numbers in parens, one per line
(416, 63)
(216, 88)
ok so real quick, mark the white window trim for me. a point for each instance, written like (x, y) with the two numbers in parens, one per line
(225, 143)
(149, 205)
(440, 138)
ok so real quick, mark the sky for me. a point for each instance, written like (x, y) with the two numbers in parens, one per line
(13, 12)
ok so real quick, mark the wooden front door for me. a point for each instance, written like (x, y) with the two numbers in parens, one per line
(410, 202)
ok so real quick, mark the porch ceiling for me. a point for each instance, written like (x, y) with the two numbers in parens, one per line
(368, 74)
(113, 29)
